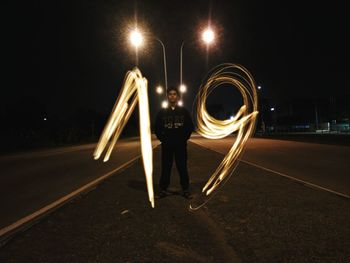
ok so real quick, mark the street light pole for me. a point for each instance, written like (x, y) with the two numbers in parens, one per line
(164, 62)
(182, 45)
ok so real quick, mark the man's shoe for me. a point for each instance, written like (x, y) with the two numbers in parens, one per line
(187, 194)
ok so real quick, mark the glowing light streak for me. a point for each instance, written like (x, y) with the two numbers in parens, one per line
(134, 89)
(243, 122)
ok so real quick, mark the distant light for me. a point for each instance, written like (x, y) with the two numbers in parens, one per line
(232, 117)
(164, 104)
(159, 90)
(183, 88)
(272, 109)
(208, 36)
(45, 119)
(136, 38)
(180, 103)
(259, 87)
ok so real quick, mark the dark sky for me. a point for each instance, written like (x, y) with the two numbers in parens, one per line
(73, 55)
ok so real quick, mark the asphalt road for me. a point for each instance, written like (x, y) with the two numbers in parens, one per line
(34, 180)
(256, 217)
(327, 166)
(30, 181)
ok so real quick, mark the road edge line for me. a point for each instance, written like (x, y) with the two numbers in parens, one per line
(283, 175)
(24, 223)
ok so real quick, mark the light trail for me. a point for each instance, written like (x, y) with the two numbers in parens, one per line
(135, 90)
(243, 123)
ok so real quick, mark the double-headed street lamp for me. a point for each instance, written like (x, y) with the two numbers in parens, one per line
(137, 39)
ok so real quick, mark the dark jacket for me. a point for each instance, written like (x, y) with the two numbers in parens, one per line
(173, 126)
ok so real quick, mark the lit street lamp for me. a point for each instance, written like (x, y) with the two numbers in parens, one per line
(159, 90)
(183, 88)
(136, 38)
(208, 36)
(164, 63)
(164, 104)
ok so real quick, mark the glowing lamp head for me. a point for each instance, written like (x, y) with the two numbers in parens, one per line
(183, 88)
(136, 38)
(159, 90)
(208, 36)
(180, 103)
(164, 104)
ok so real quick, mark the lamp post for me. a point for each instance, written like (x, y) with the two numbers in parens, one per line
(164, 62)
(136, 39)
(182, 46)
(208, 37)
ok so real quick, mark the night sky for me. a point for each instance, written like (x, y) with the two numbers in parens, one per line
(71, 55)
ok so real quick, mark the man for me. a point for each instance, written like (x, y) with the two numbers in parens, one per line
(173, 128)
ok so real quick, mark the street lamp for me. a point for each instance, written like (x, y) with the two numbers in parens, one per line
(180, 103)
(159, 90)
(208, 36)
(164, 62)
(183, 88)
(136, 38)
(164, 104)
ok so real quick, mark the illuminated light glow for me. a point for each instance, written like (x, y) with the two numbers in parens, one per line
(45, 119)
(243, 122)
(208, 36)
(135, 90)
(259, 87)
(165, 104)
(159, 90)
(183, 88)
(180, 103)
(272, 109)
(136, 38)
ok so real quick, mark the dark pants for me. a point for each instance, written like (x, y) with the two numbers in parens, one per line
(168, 153)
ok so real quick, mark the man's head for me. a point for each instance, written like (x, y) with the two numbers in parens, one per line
(173, 95)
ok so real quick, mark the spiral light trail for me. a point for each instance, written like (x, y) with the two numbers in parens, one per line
(243, 123)
(135, 90)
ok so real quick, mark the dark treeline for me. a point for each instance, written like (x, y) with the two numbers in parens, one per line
(29, 126)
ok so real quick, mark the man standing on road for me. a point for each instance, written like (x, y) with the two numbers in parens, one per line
(173, 128)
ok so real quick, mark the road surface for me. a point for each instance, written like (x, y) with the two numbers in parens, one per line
(326, 166)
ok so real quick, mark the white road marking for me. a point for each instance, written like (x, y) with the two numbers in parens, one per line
(21, 222)
(283, 174)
